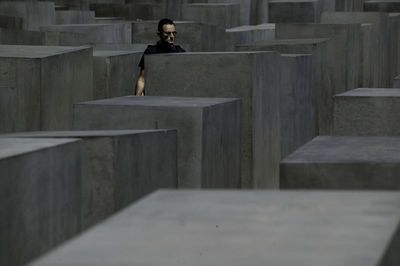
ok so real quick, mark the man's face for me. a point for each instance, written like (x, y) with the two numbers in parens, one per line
(168, 34)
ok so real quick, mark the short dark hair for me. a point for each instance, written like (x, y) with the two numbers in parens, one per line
(163, 22)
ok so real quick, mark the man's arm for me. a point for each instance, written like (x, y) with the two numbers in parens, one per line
(140, 84)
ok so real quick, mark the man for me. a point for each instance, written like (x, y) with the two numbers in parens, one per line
(167, 34)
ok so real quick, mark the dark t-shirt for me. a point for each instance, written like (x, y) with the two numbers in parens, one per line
(159, 49)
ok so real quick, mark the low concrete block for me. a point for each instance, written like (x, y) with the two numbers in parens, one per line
(297, 101)
(367, 112)
(96, 33)
(74, 17)
(48, 80)
(281, 11)
(325, 83)
(380, 67)
(208, 132)
(382, 6)
(344, 162)
(249, 34)
(396, 82)
(200, 37)
(40, 189)
(21, 37)
(224, 15)
(33, 13)
(119, 167)
(8, 109)
(115, 73)
(244, 75)
(219, 227)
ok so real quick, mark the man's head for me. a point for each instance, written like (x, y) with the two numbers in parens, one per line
(166, 31)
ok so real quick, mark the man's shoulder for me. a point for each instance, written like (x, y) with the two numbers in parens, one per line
(151, 49)
(179, 49)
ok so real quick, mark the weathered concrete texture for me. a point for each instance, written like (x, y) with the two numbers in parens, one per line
(96, 33)
(132, 47)
(382, 5)
(208, 132)
(297, 101)
(224, 15)
(367, 112)
(252, 76)
(281, 11)
(22, 37)
(346, 47)
(40, 196)
(349, 5)
(74, 17)
(34, 14)
(8, 109)
(119, 167)
(200, 37)
(249, 34)
(396, 82)
(324, 73)
(394, 43)
(115, 73)
(196, 228)
(48, 80)
(344, 162)
(379, 67)
(9, 22)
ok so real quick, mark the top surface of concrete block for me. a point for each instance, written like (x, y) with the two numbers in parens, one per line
(287, 42)
(81, 133)
(266, 26)
(161, 101)
(107, 53)
(31, 51)
(371, 92)
(232, 228)
(346, 149)
(13, 147)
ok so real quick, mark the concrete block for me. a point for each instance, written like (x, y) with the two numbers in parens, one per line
(219, 227)
(115, 73)
(325, 83)
(48, 80)
(96, 33)
(33, 13)
(8, 109)
(345, 163)
(74, 17)
(281, 11)
(200, 37)
(349, 5)
(367, 112)
(380, 68)
(208, 132)
(258, 11)
(131, 47)
(249, 34)
(297, 101)
(224, 15)
(21, 37)
(242, 75)
(345, 47)
(40, 190)
(382, 5)
(119, 167)
(396, 82)
(9, 22)
(394, 43)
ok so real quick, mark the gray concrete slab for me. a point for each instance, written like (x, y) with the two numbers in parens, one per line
(9, 22)
(33, 13)
(297, 101)
(394, 43)
(208, 132)
(367, 112)
(396, 82)
(116, 169)
(242, 75)
(380, 66)
(349, 5)
(8, 109)
(96, 33)
(292, 11)
(382, 5)
(21, 37)
(74, 17)
(324, 73)
(40, 196)
(343, 162)
(255, 228)
(251, 33)
(48, 80)
(224, 15)
(115, 73)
